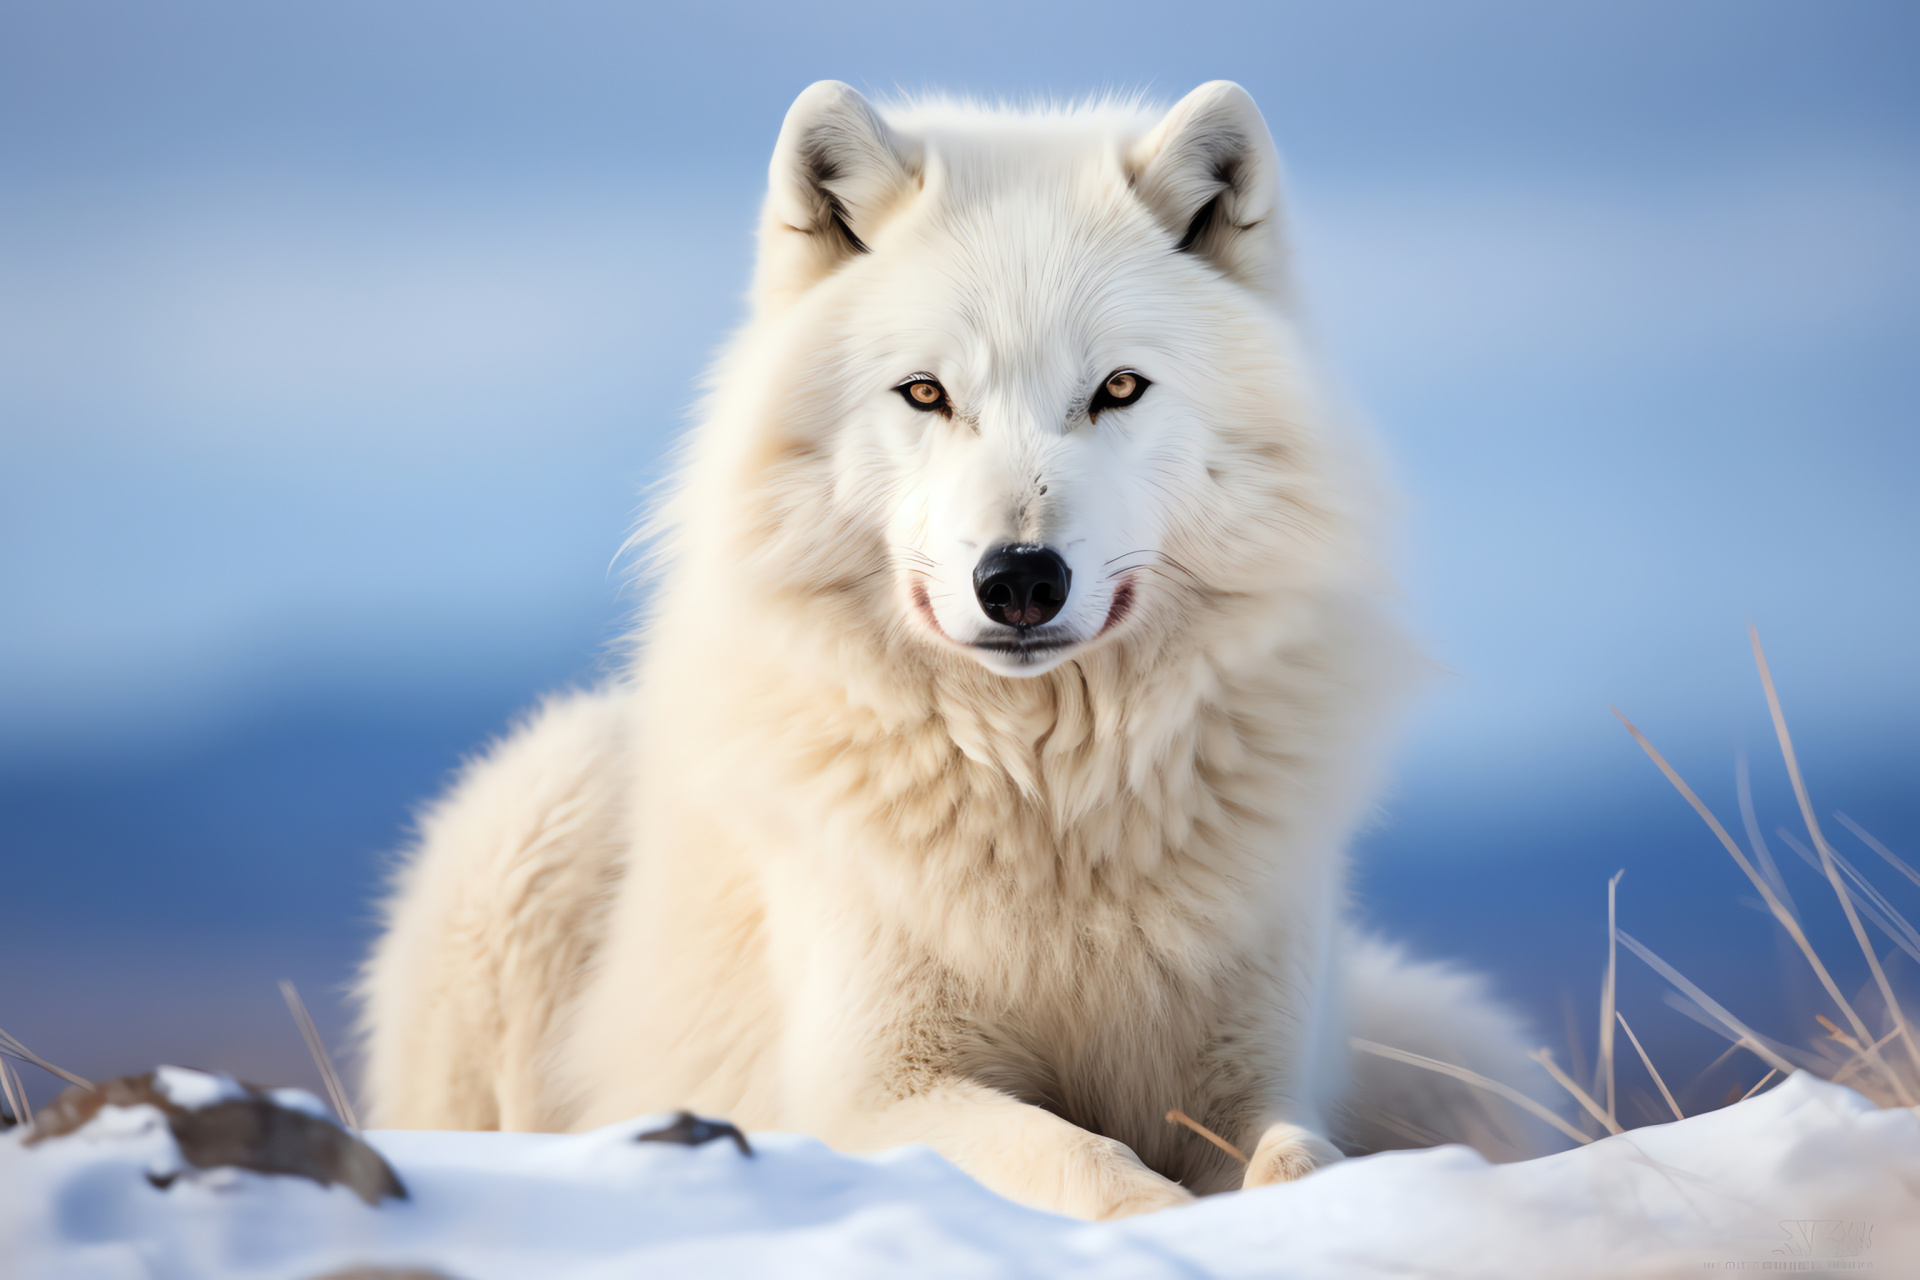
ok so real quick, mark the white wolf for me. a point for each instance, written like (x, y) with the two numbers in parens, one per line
(1009, 692)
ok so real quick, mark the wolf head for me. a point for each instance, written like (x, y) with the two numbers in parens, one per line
(1020, 386)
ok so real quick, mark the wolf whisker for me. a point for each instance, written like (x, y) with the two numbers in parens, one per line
(1152, 555)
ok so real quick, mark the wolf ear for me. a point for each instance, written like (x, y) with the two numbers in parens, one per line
(1210, 176)
(838, 170)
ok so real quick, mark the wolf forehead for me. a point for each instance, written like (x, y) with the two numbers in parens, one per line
(1047, 199)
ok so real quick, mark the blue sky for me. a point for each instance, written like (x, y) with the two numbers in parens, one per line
(338, 343)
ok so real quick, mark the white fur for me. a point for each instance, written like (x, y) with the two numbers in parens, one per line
(822, 862)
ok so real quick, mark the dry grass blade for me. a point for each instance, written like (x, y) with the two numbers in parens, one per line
(1835, 1033)
(16, 1091)
(311, 1034)
(1473, 1078)
(1779, 910)
(1414, 1135)
(1852, 1046)
(1647, 1062)
(1859, 1061)
(13, 1048)
(1736, 1027)
(1725, 1055)
(1545, 1058)
(1833, 873)
(1177, 1116)
(1743, 787)
(1761, 1083)
(1869, 901)
(1798, 1058)
(1893, 859)
(1576, 1050)
(1608, 990)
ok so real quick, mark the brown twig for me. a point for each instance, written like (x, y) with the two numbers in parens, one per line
(1835, 1033)
(1177, 1116)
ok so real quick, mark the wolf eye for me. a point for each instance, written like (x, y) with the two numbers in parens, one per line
(1122, 388)
(924, 394)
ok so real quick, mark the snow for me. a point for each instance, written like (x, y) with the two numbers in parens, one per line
(1807, 1178)
(300, 1100)
(196, 1089)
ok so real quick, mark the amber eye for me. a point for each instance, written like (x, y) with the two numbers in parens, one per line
(1122, 388)
(924, 394)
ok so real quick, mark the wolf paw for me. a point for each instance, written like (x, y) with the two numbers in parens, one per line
(1112, 1182)
(1287, 1152)
(1144, 1199)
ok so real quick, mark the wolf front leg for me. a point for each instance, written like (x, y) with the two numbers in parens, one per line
(1023, 1152)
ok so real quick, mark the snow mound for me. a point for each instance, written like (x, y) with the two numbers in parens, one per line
(1808, 1178)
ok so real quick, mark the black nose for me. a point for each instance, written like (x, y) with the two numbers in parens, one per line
(1022, 586)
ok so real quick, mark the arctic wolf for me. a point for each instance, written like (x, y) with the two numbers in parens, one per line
(1012, 681)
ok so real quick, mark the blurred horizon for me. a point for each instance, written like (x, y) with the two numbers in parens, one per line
(339, 345)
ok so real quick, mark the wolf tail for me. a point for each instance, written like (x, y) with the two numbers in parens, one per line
(1447, 1014)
